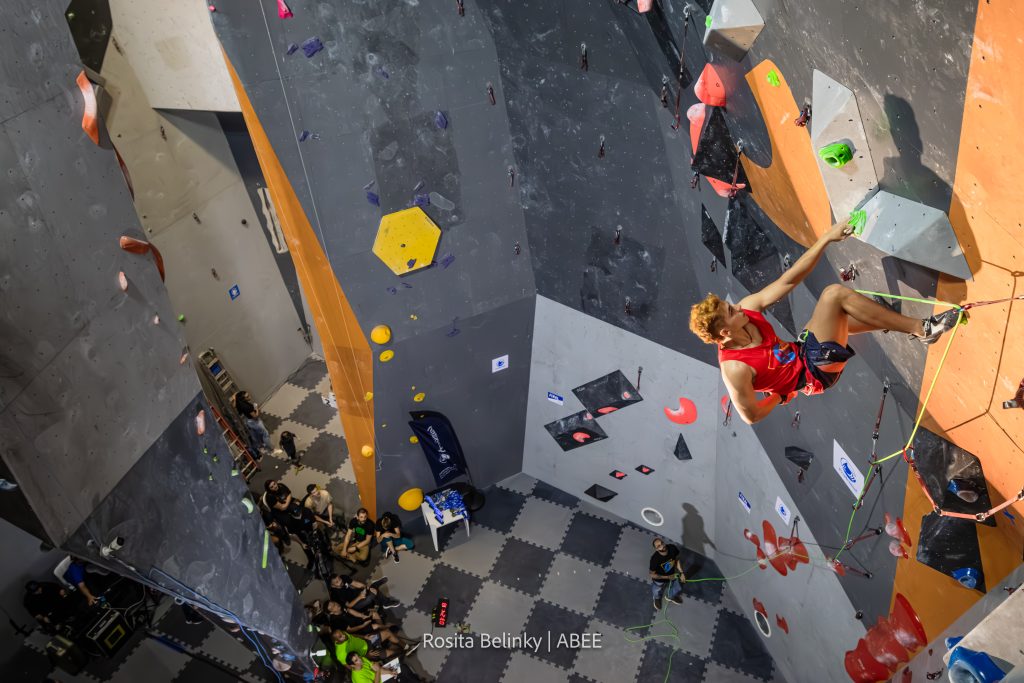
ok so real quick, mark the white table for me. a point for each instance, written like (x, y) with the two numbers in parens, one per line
(434, 525)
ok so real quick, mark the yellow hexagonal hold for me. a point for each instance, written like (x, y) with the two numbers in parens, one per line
(406, 240)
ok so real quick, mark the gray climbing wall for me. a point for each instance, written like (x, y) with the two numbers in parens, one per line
(639, 434)
(96, 411)
(615, 243)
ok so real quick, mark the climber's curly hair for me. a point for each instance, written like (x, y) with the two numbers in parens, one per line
(706, 319)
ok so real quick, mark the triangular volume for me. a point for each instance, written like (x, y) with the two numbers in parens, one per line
(710, 236)
(799, 457)
(716, 155)
(682, 451)
(600, 493)
(914, 232)
(735, 25)
(748, 243)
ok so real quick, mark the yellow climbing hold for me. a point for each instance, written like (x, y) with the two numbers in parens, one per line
(412, 316)
(386, 355)
(368, 396)
(411, 499)
(414, 439)
(367, 451)
(406, 240)
(419, 397)
(381, 334)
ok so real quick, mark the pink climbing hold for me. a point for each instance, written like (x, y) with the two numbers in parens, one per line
(709, 88)
(897, 550)
(283, 11)
(696, 114)
(122, 281)
(200, 422)
(643, 6)
(685, 414)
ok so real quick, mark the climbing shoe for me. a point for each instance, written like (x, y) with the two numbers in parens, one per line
(937, 325)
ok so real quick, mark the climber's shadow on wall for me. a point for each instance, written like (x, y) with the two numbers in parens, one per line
(695, 536)
(906, 175)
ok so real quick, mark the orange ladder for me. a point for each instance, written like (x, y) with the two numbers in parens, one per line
(240, 452)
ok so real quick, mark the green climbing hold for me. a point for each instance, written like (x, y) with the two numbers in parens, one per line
(707, 21)
(211, 477)
(181, 317)
(773, 78)
(247, 504)
(216, 458)
(234, 471)
(836, 155)
(205, 450)
(857, 221)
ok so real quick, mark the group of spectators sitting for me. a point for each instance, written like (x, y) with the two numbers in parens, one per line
(352, 621)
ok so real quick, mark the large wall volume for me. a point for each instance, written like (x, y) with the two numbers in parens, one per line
(572, 188)
(97, 406)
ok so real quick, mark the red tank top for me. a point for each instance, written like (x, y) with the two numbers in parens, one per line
(776, 362)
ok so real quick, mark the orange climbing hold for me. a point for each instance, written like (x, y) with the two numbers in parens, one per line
(90, 122)
(137, 246)
(709, 88)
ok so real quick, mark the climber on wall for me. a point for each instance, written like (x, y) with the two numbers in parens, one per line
(753, 358)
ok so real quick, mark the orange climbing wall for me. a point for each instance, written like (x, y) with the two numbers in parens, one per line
(790, 191)
(346, 349)
(986, 362)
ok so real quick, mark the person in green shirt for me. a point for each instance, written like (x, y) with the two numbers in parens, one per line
(345, 643)
(365, 671)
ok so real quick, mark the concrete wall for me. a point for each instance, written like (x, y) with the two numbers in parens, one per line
(97, 413)
(172, 47)
(182, 164)
(571, 349)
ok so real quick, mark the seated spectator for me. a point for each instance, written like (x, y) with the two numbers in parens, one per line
(249, 411)
(364, 671)
(48, 604)
(389, 536)
(356, 545)
(318, 500)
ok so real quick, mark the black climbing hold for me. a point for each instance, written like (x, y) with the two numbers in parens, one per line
(716, 155)
(607, 394)
(799, 457)
(447, 260)
(373, 198)
(682, 451)
(600, 493)
(710, 236)
(576, 430)
(440, 120)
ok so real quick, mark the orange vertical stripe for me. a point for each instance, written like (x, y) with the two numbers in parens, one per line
(986, 364)
(346, 350)
(791, 190)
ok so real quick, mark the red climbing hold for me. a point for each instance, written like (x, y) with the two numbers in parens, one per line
(137, 246)
(90, 115)
(607, 409)
(580, 437)
(782, 623)
(862, 667)
(283, 10)
(884, 647)
(709, 88)
(686, 414)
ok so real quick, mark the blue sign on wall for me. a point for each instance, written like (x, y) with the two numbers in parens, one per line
(743, 501)
(235, 292)
(555, 398)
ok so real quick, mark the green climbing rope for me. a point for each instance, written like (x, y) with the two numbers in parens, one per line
(924, 405)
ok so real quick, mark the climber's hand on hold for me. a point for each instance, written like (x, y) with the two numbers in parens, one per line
(839, 232)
